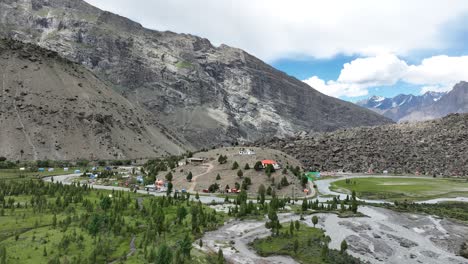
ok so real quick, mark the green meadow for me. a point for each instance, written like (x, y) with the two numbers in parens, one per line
(411, 189)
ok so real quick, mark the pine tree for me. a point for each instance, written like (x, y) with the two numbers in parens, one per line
(343, 247)
(189, 176)
(296, 246)
(220, 256)
(314, 220)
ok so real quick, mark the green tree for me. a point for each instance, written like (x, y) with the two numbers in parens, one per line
(106, 203)
(169, 176)
(185, 246)
(324, 252)
(218, 177)
(197, 196)
(189, 176)
(222, 159)
(297, 225)
(3, 255)
(159, 219)
(200, 243)
(314, 220)
(304, 205)
(164, 255)
(246, 167)
(304, 181)
(344, 246)
(269, 169)
(296, 246)
(291, 228)
(258, 166)
(354, 206)
(54, 221)
(44, 252)
(169, 188)
(220, 256)
(240, 173)
(235, 165)
(261, 192)
(181, 214)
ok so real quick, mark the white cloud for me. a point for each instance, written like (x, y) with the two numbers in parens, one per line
(380, 70)
(438, 73)
(273, 29)
(435, 88)
(441, 70)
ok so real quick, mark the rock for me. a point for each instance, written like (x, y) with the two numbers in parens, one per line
(430, 148)
(224, 94)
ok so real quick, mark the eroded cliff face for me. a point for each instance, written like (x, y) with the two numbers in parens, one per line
(208, 95)
(52, 108)
(437, 147)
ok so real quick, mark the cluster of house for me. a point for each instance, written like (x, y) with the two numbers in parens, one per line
(244, 151)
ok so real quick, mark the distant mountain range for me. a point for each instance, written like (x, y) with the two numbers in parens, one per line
(428, 106)
(200, 95)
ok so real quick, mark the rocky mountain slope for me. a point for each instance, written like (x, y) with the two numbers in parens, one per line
(401, 105)
(455, 101)
(432, 147)
(52, 108)
(209, 95)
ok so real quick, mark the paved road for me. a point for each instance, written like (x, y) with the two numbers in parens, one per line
(68, 179)
(323, 187)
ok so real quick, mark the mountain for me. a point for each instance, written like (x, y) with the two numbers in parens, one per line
(401, 105)
(432, 147)
(52, 108)
(205, 95)
(455, 101)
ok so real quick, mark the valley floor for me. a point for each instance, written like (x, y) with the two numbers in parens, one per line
(384, 236)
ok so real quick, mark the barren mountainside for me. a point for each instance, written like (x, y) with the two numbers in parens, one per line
(428, 106)
(208, 95)
(52, 108)
(433, 147)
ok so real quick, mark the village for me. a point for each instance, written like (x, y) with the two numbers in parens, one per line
(219, 171)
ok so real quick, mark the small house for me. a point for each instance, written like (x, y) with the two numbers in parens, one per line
(22, 169)
(195, 160)
(65, 169)
(265, 163)
(41, 169)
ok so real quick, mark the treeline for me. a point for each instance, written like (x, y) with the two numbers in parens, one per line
(454, 210)
(164, 227)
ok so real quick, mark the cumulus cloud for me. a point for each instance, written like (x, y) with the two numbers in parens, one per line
(274, 29)
(437, 73)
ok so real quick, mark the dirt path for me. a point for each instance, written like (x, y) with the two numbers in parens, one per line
(194, 178)
(132, 251)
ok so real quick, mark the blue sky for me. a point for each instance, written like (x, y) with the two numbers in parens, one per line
(346, 49)
(330, 69)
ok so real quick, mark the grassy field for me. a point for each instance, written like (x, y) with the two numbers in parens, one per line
(412, 189)
(310, 242)
(11, 174)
